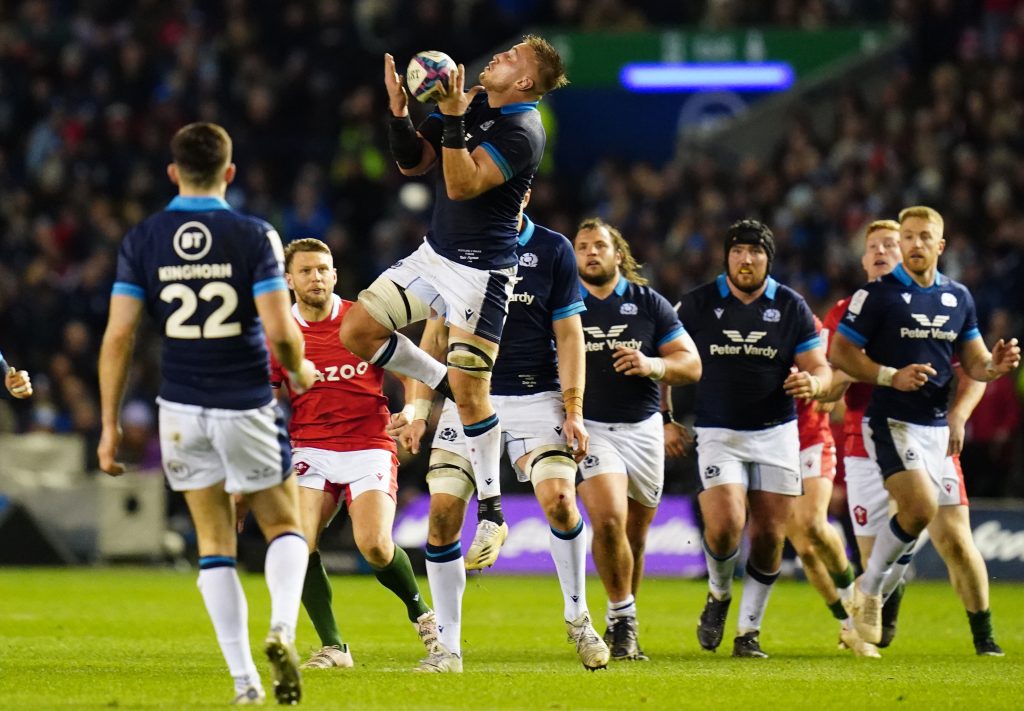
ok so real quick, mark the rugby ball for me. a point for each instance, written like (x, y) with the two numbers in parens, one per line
(427, 75)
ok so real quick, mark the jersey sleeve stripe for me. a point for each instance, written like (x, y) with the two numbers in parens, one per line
(671, 336)
(499, 160)
(854, 337)
(812, 342)
(271, 284)
(572, 309)
(970, 335)
(123, 288)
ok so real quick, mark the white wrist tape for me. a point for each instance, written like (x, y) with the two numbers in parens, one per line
(657, 368)
(885, 376)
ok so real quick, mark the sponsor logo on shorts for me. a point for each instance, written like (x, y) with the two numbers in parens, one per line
(948, 487)
(448, 434)
(397, 264)
(809, 463)
(301, 467)
(380, 477)
(178, 469)
(910, 455)
(860, 515)
(591, 461)
(558, 429)
(711, 471)
(261, 473)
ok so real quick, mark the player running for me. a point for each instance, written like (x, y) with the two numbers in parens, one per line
(820, 548)
(339, 446)
(212, 279)
(538, 392)
(487, 144)
(867, 498)
(750, 330)
(634, 340)
(914, 318)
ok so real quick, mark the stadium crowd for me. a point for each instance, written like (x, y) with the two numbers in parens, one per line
(91, 95)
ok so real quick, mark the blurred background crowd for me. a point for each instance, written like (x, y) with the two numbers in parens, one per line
(90, 93)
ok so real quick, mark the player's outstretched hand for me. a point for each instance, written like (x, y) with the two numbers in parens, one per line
(801, 385)
(1005, 356)
(630, 361)
(18, 383)
(456, 100)
(106, 452)
(398, 100)
(302, 380)
(576, 436)
(913, 377)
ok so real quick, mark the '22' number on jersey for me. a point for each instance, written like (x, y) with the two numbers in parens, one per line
(216, 326)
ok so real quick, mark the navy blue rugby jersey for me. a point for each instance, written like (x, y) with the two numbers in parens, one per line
(198, 265)
(746, 351)
(482, 232)
(547, 289)
(631, 317)
(897, 322)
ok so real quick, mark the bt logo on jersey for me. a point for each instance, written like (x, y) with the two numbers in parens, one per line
(335, 374)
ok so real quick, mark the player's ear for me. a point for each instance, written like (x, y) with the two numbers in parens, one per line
(172, 173)
(229, 173)
(942, 245)
(525, 84)
(288, 280)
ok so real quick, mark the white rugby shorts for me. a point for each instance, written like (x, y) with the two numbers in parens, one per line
(350, 473)
(636, 449)
(897, 446)
(868, 500)
(527, 422)
(759, 460)
(246, 449)
(818, 461)
(475, 300)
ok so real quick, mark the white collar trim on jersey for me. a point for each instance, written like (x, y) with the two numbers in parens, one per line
(334, 311)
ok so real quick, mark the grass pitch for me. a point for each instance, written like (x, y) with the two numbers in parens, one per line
(140, 639)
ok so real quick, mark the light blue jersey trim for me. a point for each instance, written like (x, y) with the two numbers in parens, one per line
(499, 160)
(621, 287)
(572, 309)
(197, 203)
(813, 342)
(851, 335)
(970, 335)
(528, 229)
(519, 107)
(723, 285)
(671, 336)
(271, 284)
(906, 280)
(123, 288)
(771, 288)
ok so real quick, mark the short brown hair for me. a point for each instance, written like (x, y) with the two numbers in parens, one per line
(201, 151)
(924, 212)
(308, 244)
(629, 267)
(881, 225)
(550, 67)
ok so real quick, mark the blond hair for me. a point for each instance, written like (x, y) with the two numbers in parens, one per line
(309, 244)
(926, 213)
(881, 225)
(550, 66)
(629, 266)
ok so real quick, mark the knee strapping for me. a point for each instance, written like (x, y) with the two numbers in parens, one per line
(392, 306)
(470, 358)
(451, 474)
(550, 463)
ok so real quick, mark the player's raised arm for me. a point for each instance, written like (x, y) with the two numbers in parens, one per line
(413, 154)
(115, 356)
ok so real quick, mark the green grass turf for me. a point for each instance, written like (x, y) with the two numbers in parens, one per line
(140, 639)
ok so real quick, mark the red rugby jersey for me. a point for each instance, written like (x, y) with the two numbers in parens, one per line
(857, 395)
(346, 409)
(814, 426)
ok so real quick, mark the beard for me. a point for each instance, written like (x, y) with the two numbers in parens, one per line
(314, 302)
(748, 289)
(599, 279)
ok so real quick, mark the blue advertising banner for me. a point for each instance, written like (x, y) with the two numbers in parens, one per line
(673, 542)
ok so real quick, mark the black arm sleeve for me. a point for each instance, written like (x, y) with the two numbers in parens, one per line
(406, 146)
